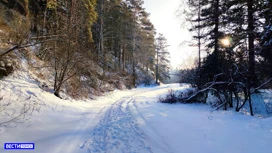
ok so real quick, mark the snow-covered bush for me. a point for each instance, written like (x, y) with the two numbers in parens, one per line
(185, 96)
(10, 114)
(170, 97)
(211, 99)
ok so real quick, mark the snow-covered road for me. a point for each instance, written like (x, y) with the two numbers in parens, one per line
(129, 121)
(118, 130)
(64, 126)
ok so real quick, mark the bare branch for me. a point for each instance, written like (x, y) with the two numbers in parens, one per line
(258, 88)
(17, 46)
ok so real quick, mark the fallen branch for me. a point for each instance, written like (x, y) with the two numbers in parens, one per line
(9, 50)
(258, 88)
(18, 47)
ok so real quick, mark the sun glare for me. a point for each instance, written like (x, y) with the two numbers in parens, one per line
(225, 42)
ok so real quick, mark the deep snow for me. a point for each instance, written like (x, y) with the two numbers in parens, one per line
(130, 121)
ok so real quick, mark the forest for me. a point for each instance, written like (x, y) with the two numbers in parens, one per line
(86, 45)
(233, 39)
(96, 76)
(90, 47)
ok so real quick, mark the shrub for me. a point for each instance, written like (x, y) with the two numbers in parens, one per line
(170, 97)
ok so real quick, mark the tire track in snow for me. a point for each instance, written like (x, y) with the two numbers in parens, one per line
(164, 146)
(118, 132)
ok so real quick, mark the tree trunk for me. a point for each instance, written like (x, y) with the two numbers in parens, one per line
(199, 38)
(251, 42)
(134, 74)
(250, 103)
(56, 93)
(231, 99)
(216, 29)
(101, 36)
(198, 82)
(123, 53)
(157, 68)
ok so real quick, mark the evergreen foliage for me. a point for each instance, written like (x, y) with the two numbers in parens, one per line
(234, 35)
(163, 59)
(79, 37)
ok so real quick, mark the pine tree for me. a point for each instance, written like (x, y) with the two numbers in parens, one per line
(162, 59)
(266, 36)
(210, 20)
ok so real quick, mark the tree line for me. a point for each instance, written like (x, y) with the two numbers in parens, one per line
(76, 36)
(235, 36)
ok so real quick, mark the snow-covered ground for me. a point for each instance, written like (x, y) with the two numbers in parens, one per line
(130, 121)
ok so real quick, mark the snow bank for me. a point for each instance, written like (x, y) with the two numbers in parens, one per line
(195, 128)
(53, 124)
